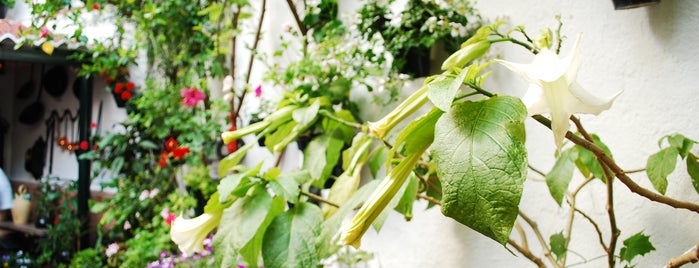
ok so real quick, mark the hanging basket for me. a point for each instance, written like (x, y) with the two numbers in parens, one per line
(627, 4)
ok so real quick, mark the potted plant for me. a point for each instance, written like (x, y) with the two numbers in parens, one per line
(4, 5)
(410, 33)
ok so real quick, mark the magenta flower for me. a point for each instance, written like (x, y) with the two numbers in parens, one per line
(258, 91)
(191, 96)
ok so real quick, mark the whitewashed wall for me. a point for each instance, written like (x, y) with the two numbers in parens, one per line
(648, 52)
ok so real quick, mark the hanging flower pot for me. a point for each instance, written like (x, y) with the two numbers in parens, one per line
(627, 4)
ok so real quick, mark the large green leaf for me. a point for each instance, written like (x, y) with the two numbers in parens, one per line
(482, 162)
(238, 232)
(659, 166)
(320, 157)
(290, 240)
(693, 170)
(231, 183)
(682, 143)
(561, 174)
(232, 160)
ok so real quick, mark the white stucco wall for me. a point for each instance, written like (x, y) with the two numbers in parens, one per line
(648, 52)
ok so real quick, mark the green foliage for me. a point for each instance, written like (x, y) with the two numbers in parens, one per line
(637, 245)
(662, 163)
(560, 175)
(290, 240)
(557, 242)
(87, 258)
(481, 160)
(587, 162)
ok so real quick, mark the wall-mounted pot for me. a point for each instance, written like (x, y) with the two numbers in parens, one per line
(627, 4)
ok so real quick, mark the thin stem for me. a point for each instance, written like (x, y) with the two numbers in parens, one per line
(480, 90)
(466, 95)
(620, 173)
(328, 114)
(430, 199)
(542, 241)
(515, 41)
(522, 234)
(527, 253)
(319, 198)
(571, 216)
(295, 13)
(594, 224)
(258, 33)
(537, 171)
(692, 255)
(581, 129)
(615, 232)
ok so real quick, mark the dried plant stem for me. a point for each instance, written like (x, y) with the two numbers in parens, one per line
(596, 226)
(319, 198)
(620, 173)
(527, 253)
(297, 18)
(258, 34)
(691, 256)
(522, 234)
(571, 216)
(542, 241)
(430, 199)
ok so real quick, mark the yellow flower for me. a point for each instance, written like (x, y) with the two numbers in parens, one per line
(189, 234)
(553, 89)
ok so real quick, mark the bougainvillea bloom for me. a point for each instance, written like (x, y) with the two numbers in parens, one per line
(180, 152)
(44, 32)
(258, 91)
(171, 144)
(164, 156)
(126, 95)
(191, 96)
(118, 88)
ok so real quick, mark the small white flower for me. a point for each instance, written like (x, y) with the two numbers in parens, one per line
(553, 89)
(154, 192)
(112, 249)
(227, 84)
(127, 225)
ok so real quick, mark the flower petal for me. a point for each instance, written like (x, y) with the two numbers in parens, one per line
(586, 103)
(535, 101)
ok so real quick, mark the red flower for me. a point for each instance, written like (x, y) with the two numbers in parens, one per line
(180, 152)
(164, 156)
(119, 88)
(126, 95)
(170, 218)
(191, 96)
(171, 144)
(130, 86)
(84, 145)
(95, 6)
(93, 125)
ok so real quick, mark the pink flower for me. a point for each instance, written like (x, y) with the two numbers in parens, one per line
(153, 192)
(112, 249)
(165, 212)
(143, 196)
(258, 91)
(44, 32)
(170, 218)
(191, 96)
(127, 225)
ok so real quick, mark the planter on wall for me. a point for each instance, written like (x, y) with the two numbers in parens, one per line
(3, 11)
(627, 4)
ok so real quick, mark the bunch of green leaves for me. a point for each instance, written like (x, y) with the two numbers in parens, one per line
(662, 163)
(62, 233)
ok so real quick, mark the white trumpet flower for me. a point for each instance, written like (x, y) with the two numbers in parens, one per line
(553, 89)
(189, 234)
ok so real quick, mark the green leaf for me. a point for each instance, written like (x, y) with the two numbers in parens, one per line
(682, 143)
(638, 244)
(242, 227)
(306, 115)
(146, 144)
(482, 162)
(659, 166)
(418, 134)
(232, 160)
(378, 161)
(405, 204)
(693, 170)
(230, 183)
(587, 162)
(442, 92)
(280, 134)
(320, 157)
(557, 242)
(560, 175)
(290, 240)
(286, 187)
